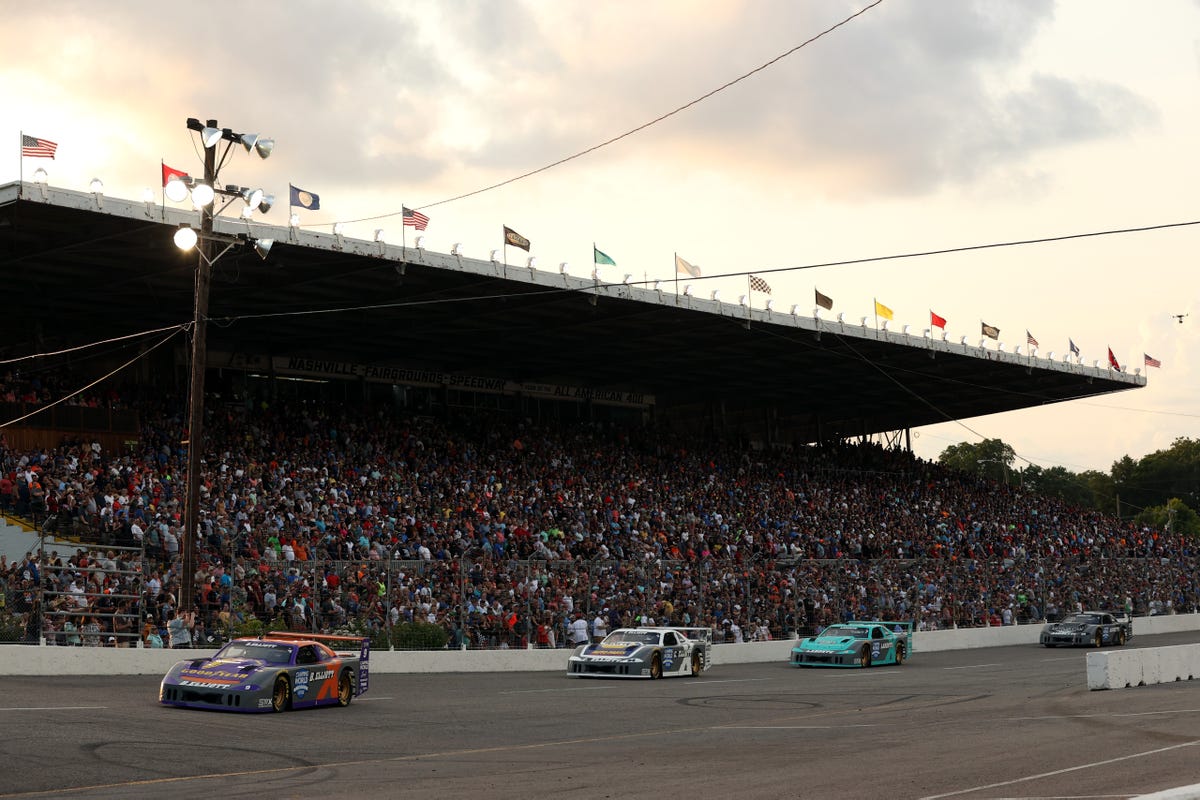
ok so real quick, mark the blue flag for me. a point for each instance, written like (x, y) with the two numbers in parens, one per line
(304, 199)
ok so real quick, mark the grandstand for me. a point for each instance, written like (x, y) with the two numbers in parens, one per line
(486, 449)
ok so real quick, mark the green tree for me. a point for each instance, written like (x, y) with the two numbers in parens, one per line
(991, 458)
(1175, 517)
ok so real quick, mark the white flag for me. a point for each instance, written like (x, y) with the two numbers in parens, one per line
(686, 268)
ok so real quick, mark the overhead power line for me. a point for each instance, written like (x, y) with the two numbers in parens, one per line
(639, 128)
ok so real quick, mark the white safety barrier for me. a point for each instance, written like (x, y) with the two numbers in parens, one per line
(30, 660)
(1119, 669)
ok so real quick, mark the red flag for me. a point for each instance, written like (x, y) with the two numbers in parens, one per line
(937, 322)
(1112, 360)
(168, 172)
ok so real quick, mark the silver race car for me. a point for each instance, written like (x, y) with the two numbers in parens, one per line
(1090, 629)
(645, 653)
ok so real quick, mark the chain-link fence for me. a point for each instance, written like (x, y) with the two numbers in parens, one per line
(118, 597)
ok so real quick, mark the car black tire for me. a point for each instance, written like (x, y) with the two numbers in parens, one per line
(655, 666)
(864, 658)
(697, 665)
(345, 689)
(900, 654)
(281, 694)
(1047, 644)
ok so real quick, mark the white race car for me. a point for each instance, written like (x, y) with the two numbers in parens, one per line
(645, 653)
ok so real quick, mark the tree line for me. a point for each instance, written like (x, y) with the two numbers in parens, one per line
(1159, 490)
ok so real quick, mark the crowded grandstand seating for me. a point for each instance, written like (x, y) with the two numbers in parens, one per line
(500, 531)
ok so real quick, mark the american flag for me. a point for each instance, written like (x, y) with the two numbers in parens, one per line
(33, 147)
(1032, 342)
(759, 285)
(1151, 361)
(415, 219)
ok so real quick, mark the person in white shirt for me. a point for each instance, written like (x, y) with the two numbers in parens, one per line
(599, 627)
(578, 630)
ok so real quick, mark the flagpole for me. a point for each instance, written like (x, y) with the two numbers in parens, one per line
(676, 277)
(403, 235)
(875, 304)
(749, 297)
(20, 163)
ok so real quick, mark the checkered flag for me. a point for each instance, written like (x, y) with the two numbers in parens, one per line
(759, 285)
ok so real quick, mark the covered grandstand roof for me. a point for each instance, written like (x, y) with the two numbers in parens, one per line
(89, 268)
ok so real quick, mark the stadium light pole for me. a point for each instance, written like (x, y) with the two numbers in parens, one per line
(211, 136)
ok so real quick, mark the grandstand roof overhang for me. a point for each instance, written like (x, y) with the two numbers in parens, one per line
(86, 270)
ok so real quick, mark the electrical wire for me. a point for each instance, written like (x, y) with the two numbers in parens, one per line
(639, 128)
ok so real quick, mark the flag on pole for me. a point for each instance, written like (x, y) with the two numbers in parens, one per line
(759, 285)
(686, 268)
(823, 301)
(1151, 361)
(515, 239)
(33, 147)
(1074, 347)
(1112, 360)
(936, 321)
(171, 172)
(883, 311)
(600, 257)
(990, 331)
(1029, 340)
(414, 219)
(299, 197)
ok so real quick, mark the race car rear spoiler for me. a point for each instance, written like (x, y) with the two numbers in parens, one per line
(340, 644)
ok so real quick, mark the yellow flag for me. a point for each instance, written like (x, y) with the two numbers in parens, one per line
(883, 310)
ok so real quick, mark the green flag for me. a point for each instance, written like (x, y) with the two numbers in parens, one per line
(602, 258)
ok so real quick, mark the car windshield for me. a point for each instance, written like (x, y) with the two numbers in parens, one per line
(271, 652)
(632, 637)
(843, 631)
(1083, 619)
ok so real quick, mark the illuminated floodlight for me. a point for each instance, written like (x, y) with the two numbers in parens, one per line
(185, 238)
(176, 190)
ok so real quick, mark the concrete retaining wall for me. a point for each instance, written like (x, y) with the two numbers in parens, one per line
(1120, 669)
(23, 660)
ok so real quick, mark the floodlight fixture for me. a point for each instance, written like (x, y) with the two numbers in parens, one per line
(96, 186)
(770, 305)
(841, 317)
(495, 256)
(456, 250)
(147, 195)
(531, 262)
(338, 227)
(796, 307)
(263, 246)
(687, 290)
(248, 141)
(420, 242)
(379, 236)
(294, 221)
(657, 285)
(963, 340)
(202, 195)
(863, 322)
(210, 136)
(628, 278)
(742, 300)
(265, 204)
(40, 175)
(716, 295)
(1051, 356)
(563, 268)
(252, 197)
(885, 326)
(247, 212)
(176, 190)
(185, 238)
(264, 147)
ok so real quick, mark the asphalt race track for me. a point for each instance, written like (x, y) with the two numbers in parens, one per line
(995, 723)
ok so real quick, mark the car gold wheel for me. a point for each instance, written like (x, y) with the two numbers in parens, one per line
(655, 667)
(899, 654)
(345, 689)
(1121, 638)
(1098, 642)
(281, 696)
(696, 666)
(864, 658)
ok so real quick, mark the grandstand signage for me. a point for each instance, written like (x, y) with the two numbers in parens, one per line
(302, 366)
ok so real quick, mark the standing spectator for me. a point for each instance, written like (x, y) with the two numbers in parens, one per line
(578, 630)
(150, 636)
(599, 627)
(179, 628)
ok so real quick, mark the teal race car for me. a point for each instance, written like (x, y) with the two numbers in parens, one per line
(855, 644)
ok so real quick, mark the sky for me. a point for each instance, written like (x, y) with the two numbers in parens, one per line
(919, 125)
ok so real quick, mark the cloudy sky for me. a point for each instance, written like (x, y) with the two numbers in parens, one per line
(918, 126)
